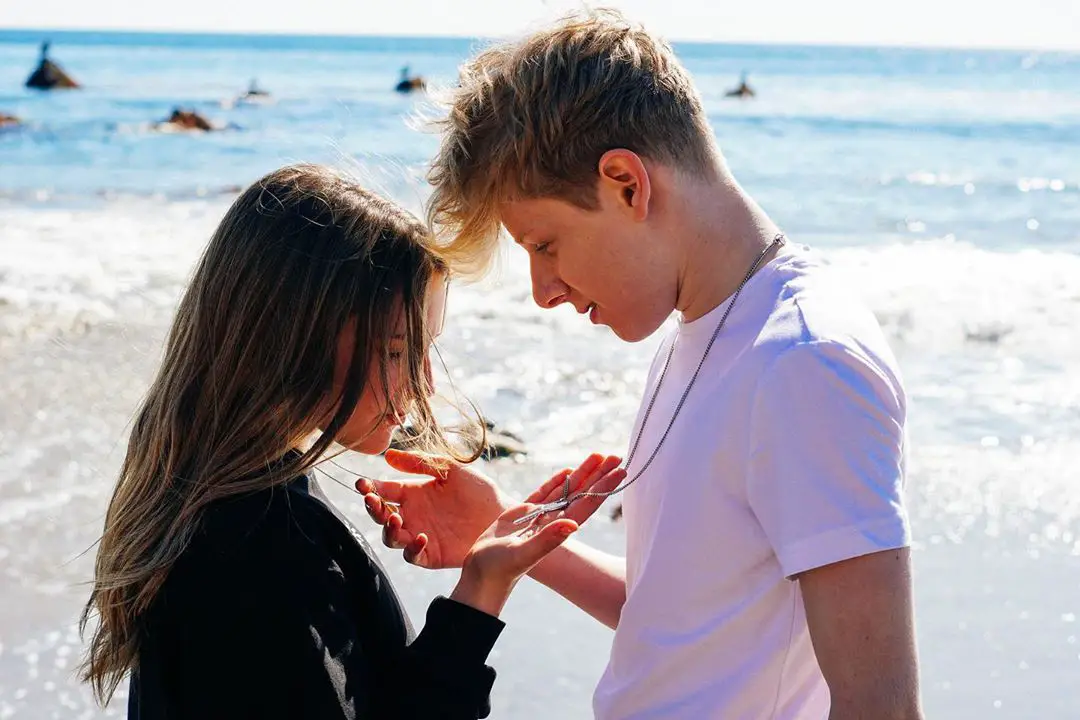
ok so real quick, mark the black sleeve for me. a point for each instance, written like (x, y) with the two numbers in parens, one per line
(447, 661)
(283, 642)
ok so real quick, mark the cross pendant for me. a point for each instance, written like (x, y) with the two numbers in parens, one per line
(543, 510)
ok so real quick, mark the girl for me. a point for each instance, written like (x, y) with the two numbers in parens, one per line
(226, 583)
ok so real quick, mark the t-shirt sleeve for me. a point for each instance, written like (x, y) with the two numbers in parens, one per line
(826, 465)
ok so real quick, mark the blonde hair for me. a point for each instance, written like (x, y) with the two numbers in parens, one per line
(247, 375)
(533, 118)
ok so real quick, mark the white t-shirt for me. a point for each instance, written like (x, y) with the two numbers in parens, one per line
(788, 455)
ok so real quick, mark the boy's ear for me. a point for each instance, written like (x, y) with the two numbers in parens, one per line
(623, 176)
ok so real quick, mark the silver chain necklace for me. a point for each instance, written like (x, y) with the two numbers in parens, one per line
(568, 499)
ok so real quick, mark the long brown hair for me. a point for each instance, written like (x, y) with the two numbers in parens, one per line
(247, 375)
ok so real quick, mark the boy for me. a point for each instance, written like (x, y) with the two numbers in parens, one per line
(767, 571)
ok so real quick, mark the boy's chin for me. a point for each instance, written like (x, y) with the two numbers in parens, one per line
(633, 334)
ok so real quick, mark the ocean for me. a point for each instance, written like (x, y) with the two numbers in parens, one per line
(944, 184)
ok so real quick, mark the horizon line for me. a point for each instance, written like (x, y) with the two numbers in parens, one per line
(437, 36)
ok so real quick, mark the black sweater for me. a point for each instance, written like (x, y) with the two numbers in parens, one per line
(279, 609)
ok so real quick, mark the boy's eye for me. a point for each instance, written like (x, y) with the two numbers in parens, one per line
(540, 248)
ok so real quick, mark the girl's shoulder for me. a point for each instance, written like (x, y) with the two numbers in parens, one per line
(269, 539)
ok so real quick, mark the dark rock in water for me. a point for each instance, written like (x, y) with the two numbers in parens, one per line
(616, 514)
(742, 90)
(9, 121)
(185, 120)
(255, 91)
(410, 83)
(502, 443)
(499, 443)
(255, 95)
(48, 75)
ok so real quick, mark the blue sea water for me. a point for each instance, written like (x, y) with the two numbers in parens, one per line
(841, 141)
(945, 184)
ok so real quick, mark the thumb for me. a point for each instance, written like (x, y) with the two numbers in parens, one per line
(417, 463)
(546, 539)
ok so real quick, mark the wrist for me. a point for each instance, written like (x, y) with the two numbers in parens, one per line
(481, 592)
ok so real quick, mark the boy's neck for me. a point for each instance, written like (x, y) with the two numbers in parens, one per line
(721, 232)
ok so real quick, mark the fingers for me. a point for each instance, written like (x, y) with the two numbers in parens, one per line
(392, 490)
(414, 551)
(391, 532)
(581, 510)
(595, 468)
(378, 510)
(609, 464)
(607, 482)
(417, 463)
(554, 485)
(395, 536)
(584, 470)
(554, 488)
(545, 539)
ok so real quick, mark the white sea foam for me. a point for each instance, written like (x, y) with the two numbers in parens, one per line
(66, 270)
(958, 314)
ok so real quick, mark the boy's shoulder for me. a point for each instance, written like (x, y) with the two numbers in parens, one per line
(812, 304)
